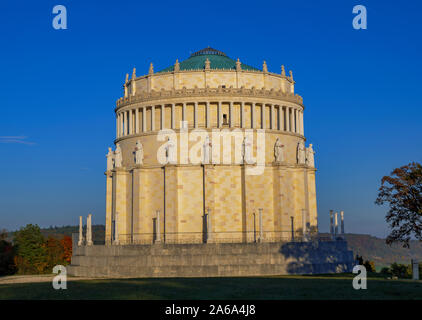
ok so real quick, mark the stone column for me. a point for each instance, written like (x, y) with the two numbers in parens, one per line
(331, 225)
(117, 125)
(121, 124)
(195, 115)
(231, 114)
(184, 112)
(157, 224)
(253, 118)
(207, 112)
(163, 116)
(301, 123)
(263, 120)
(89, 230)
(173, 116)
(242, 114)
(144, 119)
(152, 118)
(342, 223)
(124, 123)
(137, 120)
(261, 231)
(288, 119)
(296, 123)
(220, 116)
(130, 126)
(335, 225)
(81, 236)
(280, 118)
(272, 117)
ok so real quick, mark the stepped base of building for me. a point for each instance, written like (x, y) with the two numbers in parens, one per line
(211, 260)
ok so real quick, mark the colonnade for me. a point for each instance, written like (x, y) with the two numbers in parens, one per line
(142, 118)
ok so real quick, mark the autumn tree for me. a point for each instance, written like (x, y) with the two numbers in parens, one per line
(31, 253)
(402, 192)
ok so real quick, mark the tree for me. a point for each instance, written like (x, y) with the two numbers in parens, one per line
(66, 244)
(402, 191)
(7, 252)
(31, 252)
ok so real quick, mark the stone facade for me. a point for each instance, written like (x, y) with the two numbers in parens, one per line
(218, 201)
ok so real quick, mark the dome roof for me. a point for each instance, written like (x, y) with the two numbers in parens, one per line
(218, 60)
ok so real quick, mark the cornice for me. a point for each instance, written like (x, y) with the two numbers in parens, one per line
(206, 92)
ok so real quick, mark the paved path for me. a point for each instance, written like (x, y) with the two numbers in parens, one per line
(34, 278)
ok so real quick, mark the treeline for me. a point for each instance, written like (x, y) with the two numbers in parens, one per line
(30, 252)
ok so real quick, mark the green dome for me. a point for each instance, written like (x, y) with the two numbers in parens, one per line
(218, 60)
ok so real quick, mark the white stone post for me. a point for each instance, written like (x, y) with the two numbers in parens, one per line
(184, 112)
(342, 223)
(261, 232)
(89, 230)
(335, 225)
(331, 225)
(157, 223)
(415, 270)
(81, 236)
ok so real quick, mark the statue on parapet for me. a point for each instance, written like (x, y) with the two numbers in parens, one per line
(110, 159)
(301, 156)
(278, 151)
(139, 153)
(310, 159)
(118, 157)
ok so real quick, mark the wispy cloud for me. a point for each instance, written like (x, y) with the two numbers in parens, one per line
(16, 139)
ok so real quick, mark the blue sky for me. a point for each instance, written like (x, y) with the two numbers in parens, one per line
(361, 90)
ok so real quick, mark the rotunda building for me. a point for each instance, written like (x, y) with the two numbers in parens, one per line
(210, 150)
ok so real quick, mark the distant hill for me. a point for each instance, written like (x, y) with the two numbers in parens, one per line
(367, 246)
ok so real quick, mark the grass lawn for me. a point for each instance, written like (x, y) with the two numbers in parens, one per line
(277, 287)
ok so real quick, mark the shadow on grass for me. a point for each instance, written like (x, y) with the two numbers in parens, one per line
(271, 288)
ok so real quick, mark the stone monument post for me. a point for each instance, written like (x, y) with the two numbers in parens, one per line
(89, 230)
(331, 225)
(293, 227)
(81, 236)
(342, 223)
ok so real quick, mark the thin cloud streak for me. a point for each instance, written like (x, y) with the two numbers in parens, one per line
(15, 139)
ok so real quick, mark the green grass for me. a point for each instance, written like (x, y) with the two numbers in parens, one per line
(281, 287)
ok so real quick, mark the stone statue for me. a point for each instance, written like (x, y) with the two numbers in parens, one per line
(151, 68)
(139, 153)
(310, 161)
(283, 71)
(247, 150)
(177, 66)
(278, 151)
(264, 67)
(291, 75)
(110, 159)
(170, 151)
(127, 78)
(301, 153)
(207, 64)
(118, 157)
(238, 65)
(207, 150)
